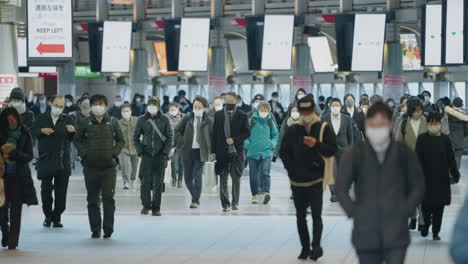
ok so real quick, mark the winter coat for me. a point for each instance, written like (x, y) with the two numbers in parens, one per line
(115, 112)
(279, 113)
(386, 194)
(27, 119)
(359, 125)
(458, 124)
(284, 126)
(345, 136)
(437, 160)
(263, 137)
(128, 128)
(2, 182)
(409, 139)
(151, 143)
(184, 133)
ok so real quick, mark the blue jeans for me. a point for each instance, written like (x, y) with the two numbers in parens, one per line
(259, 171)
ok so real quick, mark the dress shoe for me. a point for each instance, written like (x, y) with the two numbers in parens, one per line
(47, 223)
(57, 225)
(4, 239)
(96, 235)
(144, 211)
(412, 225)
(304, 253)
(267, 198)
(333, 199)
(436, 237)
(156, 213)
(316, 253)
(424, 232)
(107, 235)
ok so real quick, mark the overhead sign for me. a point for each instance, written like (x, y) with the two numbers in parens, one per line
(321, 55)
(368, 42)
(85, 72)
(194, 44)
(277, 42)
(432, 35)
(454, 19)
(116, 46)
(7, 83)
(49, 29)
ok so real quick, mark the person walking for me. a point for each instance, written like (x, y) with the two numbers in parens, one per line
(458, 126)
(54, 132)
(177, 163)
(99, 141)
(357, 115)
(193, 137)
(230, 130)
(302, 150)
(128, 158)
(17, 101)
(153, 140)
(276, 108)
(389, 185)
(260, 147)
(114, 111)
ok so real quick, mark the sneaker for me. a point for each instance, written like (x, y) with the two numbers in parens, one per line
(333, 199)
(316, 253)
(424, 232)
(267, 198)
(255, 199)
(156, 213)
(226, 210)
(126, 186)
(47, 223)
(144, 211)
(96, 235)
(234, 207)
(194, 205)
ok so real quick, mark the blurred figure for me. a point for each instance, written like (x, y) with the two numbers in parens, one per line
(437, 160)
(458, 127)
(258, 98)
(33, 102)
(301, 93)
(326, 110)
(230, 130)
(41, 106)
(429, 107)
(276, 108)
(138, 105)
(16, 150)
(342, 126)
(364, 96)
(260, 146)
(243, 106)
(218, 105)
(357, 115)
(388, 184)
(165, 105)
(5, 103)
(459, 244)
(17, 101)
(185, 105)
(128, 157)
(114, 111)
(70, 107)
(391, 103)
(375, 99)
(177, 163)
(193, 136)
(85, 110)
(321, 102)
(364, 105)
(292, 119)
(301, 152)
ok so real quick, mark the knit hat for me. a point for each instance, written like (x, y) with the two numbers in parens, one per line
(306, 104)
(458, 102)
(154, 101)
(17, 94)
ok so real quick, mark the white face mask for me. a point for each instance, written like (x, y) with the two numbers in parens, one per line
(198, 113)
(98, 110)
(263, 114)
(378, 137)
(295, 115)
(255, 105)
(174, 113)
(434, 129)
(43, 101)
(218, 107)
(152, 109)
(300, 96)
(239, 104)
(335, 110)
(118, 104)
(19, 106)
(68, 104)
(126, 115)
(427, 99)
(56, 111)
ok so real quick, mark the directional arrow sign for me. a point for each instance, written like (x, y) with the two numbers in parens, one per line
(50, 48)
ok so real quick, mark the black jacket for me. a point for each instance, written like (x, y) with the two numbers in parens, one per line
(54, 150)
(279, 116)
(27, 119)
(245, 108)
(151, 144)
(115, 112)
(37, 109)
(458, 132)
(71, 110)
(359, 123)
(23, 156)
(240, 131)
(306, 164)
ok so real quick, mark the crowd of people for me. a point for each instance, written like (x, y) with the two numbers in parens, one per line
(390, 166)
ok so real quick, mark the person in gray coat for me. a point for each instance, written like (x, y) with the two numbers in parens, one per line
(193, 137)
(458, 128)
(389, 185)
(342, 125)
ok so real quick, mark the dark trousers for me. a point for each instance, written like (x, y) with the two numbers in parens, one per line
(152, 181)
(100, 183)
(177, 164)
(433, 215)
(58, 184)
(10, 213)
(193, 175)
(377, 256)
(305, 197)
(233, 167)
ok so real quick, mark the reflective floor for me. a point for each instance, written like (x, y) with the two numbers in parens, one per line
(255, 234)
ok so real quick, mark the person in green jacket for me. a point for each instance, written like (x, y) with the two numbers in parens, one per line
(260, 146)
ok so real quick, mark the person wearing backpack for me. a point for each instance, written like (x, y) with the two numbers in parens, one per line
(99, 141)
(153, 140)
(260, 146)
(389, 185)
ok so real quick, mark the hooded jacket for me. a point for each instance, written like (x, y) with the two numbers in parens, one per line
(263, 137)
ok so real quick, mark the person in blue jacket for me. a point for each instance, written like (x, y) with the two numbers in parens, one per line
(260, 146)
(459, 246)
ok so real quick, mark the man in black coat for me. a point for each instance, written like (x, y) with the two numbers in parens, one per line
(357, 115)
(54, 132)
(17, 101)
(114, 111)
(230, 130)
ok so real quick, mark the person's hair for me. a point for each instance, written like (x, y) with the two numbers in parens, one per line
(181, 93)
(52, 99)
(118, 97)
(69, 97)
(366, 95)
(233, 94)
(202, 100)
(403, 98)
(9, 111)
(219, 98)
(413, 105)
(98, 98)
(426, 92)
(364, 101)
(434, 117)
(390, 100)
(321, 98)
(376, 98)
(174, 104)
(175, 99)
(122, 107)
(275, 94)
(335, 100)
(380, 108)
(349, 95)
(166, 98)
(264, 105)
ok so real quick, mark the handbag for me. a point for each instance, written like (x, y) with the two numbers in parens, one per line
(329, 168)
(168, 173)
(210, 175)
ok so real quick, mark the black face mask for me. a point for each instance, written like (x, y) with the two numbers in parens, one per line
(322, 105)
(230, 107)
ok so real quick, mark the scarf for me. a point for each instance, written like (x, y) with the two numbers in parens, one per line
(227, 127)
(291, 122)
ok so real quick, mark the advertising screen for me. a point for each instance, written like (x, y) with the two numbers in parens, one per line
(194, 44)
(368, 42)
(116, 46)
(277, 42)
(160, 50)
(320, 53)
(454, 27)
(433, 36)
(411, 52)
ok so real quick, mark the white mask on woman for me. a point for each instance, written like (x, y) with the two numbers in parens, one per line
(263, 114)
(198, 113)
(56, 111)
(295, 115)
(126, 115)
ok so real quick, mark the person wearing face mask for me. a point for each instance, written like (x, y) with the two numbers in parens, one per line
(389, 185)
(292, 119)
(458, 126)
(437, 159)
(326, 109)
(276, 108)
(177, 165)
(302, 150)
(41, 106)
(321, 102)
(128, 157)
(99, 141)
(17, 101)
(218, 105)
(16, 150)
(54, 132)
(243, 106)
(84, 112)
(153, 141)
(364, 105)
(301, 93)
(429, 107)
(193, 137)
(230, 130)
(138, 105)
(342, 126)
(258, 98)
(357, 115)
(260, 147)
(70, 108)
(114, 111)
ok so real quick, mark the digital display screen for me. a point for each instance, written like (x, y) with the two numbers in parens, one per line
(116, 46)
(194, 44)
(160, 50)
(454, 27)
(320, 53)
(433, 36)
(277, 42)
(368, 42)
(411, 52)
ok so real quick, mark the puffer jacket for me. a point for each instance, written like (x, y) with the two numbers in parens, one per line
(151, 144)
(263, 137)
(128, 128)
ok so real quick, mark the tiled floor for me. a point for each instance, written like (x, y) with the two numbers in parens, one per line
(255, 234)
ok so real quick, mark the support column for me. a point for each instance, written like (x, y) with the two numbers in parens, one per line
(217, 80)
(346, 6)
(101, 10)
(393, 80)
(393, 4)
(8, 65)
(139, 62)
(301, 7)
(177, 8)
(66, 79)
(258, 7)
(301, 75)
(419, 3)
